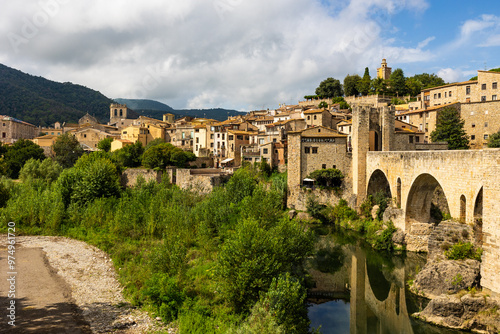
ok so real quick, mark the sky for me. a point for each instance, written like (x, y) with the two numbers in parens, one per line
(242, 54)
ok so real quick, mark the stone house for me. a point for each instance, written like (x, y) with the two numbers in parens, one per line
(119, 144)
(121, 116)
(318, 117)
(89, 137)
(13, 129)
(46, 143)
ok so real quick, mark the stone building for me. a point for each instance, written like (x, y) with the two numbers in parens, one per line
(318, 117)
(120, 115)
(13, 129)
(313, 149)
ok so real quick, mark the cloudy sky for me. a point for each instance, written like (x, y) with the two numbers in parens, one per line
(242, 54)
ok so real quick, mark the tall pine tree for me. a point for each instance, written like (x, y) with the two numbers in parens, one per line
(365, 83)
(450, 128)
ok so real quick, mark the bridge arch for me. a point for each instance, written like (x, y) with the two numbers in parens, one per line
(378, 182)
(420, 197)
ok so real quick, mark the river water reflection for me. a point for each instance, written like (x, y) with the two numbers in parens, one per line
(358, 290)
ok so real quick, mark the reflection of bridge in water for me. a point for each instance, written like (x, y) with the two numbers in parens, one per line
(390, 314)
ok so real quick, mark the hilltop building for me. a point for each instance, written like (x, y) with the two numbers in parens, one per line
(13, 129)
(384, 72)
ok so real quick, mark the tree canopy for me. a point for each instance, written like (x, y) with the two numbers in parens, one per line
(397, 82)
(494, 141)
(166, 154)
(105, 144)
(364, 84)
(351, 85)
(67, 150)
(18, 154)
(450, 128)
(329, 88)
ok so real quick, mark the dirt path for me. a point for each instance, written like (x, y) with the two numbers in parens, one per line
(43, 301)
(67, 286)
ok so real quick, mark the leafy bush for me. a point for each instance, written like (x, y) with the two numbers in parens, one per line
(18, 154)
(67, 150)
(166, 154)
(327, 177)
(105, 144)
(383, 240)
(253, 255)
(46, 171)
(129, 156)
(341, 212)
(165, 295)
(464, 250)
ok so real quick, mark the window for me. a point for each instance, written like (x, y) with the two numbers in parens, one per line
(417, 139)
(239, 137)
(183, 135)
(307, 150)
(485, 137)
(483, 87)
(483, 98)
(323, 166)
(261, 141)
(467, 90)
(445, 94)
(84, 136)
(314, 150)
(197, 140)
(410, 138)
(196, 148)
(435, 96)
(485, 124)
(493, 97)
(449, 93)
(4, 135)
(218, 135)
(211, 144)
(230, 137)
(274, 140)
(472, 137)
(473, 125)
(211, 136)
(439, 95)
(3, 124)
(494, 85)
(315, 117)
(334, 166)
(223, 136)
(308, 118)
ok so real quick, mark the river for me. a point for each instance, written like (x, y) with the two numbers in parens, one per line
(358, 290)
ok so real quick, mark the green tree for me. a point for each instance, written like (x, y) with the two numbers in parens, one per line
(397, 82)
(341, 101)
(379, 86)
(105, 144)
(166, 154)
(413, 86)
(329, 88)
(46, 170)
(428, 80)
(494, 141)
(323, 105)
(364, 84)
(129, 156)
(351, 84)
(67, 150)
(450, 128)
(16, 156)
(253, 255)
(93, 176)
(154, 142)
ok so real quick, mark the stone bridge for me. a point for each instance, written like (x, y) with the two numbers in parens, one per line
(470, 180)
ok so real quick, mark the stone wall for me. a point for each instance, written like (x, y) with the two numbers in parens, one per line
(130, 175)
(446, 234)
(202, 162)
(201, 180)
(297, 197)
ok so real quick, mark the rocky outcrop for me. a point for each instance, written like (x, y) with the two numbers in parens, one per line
(418, 238)
(466, 311)
(446, 276)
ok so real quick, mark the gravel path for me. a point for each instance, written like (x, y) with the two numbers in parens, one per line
(90, 274)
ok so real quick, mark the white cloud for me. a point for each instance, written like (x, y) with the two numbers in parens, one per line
(451, 75)
(425, 42)
(198, 53)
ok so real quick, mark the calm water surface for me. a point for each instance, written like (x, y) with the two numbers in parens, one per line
(358, 290)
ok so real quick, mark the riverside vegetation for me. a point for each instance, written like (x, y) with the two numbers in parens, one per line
(230, 261)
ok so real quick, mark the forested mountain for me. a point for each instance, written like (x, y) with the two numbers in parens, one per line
(42, 102)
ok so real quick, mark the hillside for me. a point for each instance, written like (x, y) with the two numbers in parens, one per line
(42, 102)
(156, 109)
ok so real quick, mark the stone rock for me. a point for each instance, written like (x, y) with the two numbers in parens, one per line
(418, 238)
(398, 237)
(292, 214)
(374, 211)
(444, 310)
(447, 276)
(304, 216)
